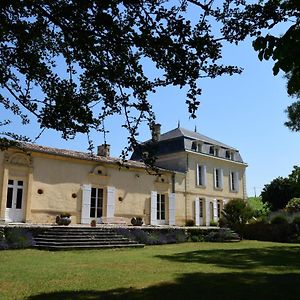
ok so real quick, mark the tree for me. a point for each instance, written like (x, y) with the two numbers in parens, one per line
(259, 20)
(237, 213)
(102, 45)
(281, 190)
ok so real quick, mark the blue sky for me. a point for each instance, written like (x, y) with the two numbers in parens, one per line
(245, 111)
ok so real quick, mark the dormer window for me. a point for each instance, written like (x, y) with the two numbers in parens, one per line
(229, 154)
(199, 147)
(214, 150)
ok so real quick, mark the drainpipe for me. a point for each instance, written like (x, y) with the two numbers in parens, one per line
(185, 184)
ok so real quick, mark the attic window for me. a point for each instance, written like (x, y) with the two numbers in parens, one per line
(227, 155)
(211, 150)
(199, 147)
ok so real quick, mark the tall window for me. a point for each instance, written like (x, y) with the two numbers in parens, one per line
(234, 181)
(96, 210)
(218, 176)
(201, 175)
(201, 208)
(161, 207)
(219, 204)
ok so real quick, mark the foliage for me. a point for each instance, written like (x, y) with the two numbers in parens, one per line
(293, 206)
(269, 232)
(296, 220)
(15, 237)
(102, 47)
(260, 19)
(277, 193)
(213, 223)
(279, 219)
(222, 235)
(281, 190)
(259, 208)
(154, 237)
(137, 221)
(237, 213)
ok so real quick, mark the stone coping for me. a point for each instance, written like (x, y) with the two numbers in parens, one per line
(29, 225)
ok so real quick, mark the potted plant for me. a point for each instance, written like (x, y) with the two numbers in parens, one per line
(93, 223)
(63, 219)
(137, 221)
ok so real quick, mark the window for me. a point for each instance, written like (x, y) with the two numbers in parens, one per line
(96, 209)
(201, 175)
(14, 194)
(227, 154)
(211, 150)
(219, 205)
(161, 207)
(218, 176)
(199, 147)
(201, 208)
(234, 181)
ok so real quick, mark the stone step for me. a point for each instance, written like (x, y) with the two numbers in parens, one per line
(89, 247)
(69, 237)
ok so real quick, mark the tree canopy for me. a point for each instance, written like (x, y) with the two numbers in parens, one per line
(102, 45)
(281, 190)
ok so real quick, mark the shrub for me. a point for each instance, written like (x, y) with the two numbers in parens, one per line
(237, 213)
(222, 235)
(296, 220)
(213, 223)
(18, 238)
(293, 206)
(269, 232)
(279, 220)
(190, 222)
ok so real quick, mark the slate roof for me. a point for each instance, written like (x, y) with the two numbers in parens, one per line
(181, 139)
(82, 155)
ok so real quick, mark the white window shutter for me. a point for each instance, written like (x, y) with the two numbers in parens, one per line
(172, 209)
(198, 175)
(153, 206)
(215, 177)
(207, 212)
(86, 203)
(204, 175)
(197, 212)
(215, 209)
(111, 191)
(221, 178)
(237, 181)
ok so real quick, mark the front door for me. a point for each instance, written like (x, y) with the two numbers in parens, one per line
(96, 208)
(14, 211)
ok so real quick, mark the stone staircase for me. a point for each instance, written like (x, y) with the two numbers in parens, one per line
(71, 238)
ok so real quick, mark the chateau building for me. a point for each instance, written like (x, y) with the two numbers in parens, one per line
(197, 176)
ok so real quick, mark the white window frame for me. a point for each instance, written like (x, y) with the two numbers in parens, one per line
(201, 174)
(218, 178)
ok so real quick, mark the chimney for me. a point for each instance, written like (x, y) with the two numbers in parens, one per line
(103, 150)
(156, 132)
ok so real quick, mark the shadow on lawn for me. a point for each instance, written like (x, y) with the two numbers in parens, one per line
(286, 258)
(198, 286)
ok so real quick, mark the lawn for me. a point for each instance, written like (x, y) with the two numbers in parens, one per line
(245, 270)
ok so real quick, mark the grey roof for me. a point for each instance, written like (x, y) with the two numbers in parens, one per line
(179, 132)
(181, 139)
(83, 156)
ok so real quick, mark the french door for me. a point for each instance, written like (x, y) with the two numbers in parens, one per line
(161, 209)
(96, 208)
(14, 211)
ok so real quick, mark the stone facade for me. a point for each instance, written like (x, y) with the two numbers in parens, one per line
(37, 183)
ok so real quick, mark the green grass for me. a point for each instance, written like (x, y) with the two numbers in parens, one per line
(245, 270)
